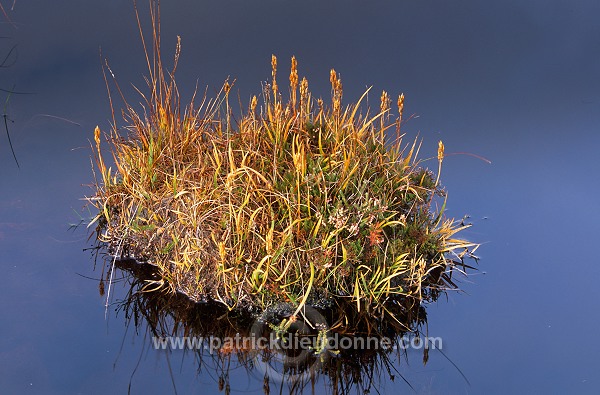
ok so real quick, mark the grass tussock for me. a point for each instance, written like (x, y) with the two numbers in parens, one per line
(296, 199)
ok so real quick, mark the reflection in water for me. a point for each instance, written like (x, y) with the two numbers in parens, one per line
(321, 346)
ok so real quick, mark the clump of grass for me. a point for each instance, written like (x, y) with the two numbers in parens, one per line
(296, 200)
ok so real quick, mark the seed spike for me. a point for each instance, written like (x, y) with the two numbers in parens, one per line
(399, 119)
(293, 81)
(274, 75)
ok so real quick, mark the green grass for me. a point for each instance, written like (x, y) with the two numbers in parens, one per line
(296, 200)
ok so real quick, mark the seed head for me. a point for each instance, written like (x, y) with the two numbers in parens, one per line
(385, 102)
(274, 73)
(400, 105)
(294, 74)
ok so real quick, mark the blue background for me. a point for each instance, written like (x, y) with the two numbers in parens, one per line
(517, 82)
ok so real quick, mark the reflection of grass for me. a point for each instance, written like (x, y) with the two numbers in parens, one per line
(225, 340)
(5, 116)
(8, 61)
(295, 200)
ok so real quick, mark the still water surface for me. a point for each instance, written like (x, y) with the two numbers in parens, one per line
(518, 83)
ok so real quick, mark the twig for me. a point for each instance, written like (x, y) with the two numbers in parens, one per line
(7, 133)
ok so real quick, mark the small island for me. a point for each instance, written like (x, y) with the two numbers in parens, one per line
(298, 201)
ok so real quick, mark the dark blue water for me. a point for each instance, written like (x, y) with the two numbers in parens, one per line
(516, 82)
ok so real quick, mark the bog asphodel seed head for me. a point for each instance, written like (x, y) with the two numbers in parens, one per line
(400, 105)
(97, 136)
(274, 74)
(385, 102)
(294, 74)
